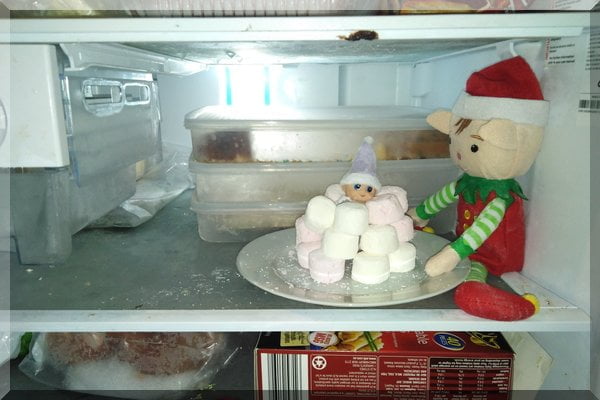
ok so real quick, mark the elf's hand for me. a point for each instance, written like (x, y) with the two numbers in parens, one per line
(412, 212)
(444, 261)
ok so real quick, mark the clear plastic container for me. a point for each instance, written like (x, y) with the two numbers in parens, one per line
(240, 202)
(242, 222)
(299, 182)
(222, 134)
(256, 168)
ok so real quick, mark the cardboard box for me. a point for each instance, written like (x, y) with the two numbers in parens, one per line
(383, 365)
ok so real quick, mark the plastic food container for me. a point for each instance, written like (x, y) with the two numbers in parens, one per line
(240, 202)
(222, 134)
(256, 168)
(299, 182)
(242, 222)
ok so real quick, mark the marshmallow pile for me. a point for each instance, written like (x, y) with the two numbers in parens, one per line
(374, 235)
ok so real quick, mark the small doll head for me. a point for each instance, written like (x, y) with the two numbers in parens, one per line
(359, 192)
(496, 127)
(361, 184)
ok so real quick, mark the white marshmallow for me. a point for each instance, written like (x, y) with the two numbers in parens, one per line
(370, 269)
(303, 234)
(325, 269)
(351, 218)
(404, 229)
(303, 249)
(335, 192)
(399, 193)
(384, 209)
(379, 240)
(403, 259)
(339, 245)
(319, 214)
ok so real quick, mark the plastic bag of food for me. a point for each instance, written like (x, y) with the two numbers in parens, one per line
(159, 185)
(134, 365)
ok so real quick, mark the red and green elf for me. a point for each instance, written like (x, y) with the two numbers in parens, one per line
(495, 131)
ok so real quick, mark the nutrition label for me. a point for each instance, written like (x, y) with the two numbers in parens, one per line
(480, 378)
(409, 377)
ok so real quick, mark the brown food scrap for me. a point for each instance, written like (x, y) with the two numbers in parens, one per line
(226, 146)
(360, 35)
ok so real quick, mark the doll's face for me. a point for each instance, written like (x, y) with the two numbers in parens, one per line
(466, 145)
(359, 192)
(491, 149)
(474, 153)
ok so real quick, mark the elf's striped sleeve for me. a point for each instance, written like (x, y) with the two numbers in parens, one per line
(483, 227)
(437, 202)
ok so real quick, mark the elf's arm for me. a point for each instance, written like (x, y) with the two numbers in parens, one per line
(472, 238)
(434, 204)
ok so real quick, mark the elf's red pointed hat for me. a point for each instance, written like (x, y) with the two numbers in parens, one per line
(506, 90)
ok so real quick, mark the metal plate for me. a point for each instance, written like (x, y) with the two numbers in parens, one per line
(270, 263)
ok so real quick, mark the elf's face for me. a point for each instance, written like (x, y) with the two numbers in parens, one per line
(359, 192)
(492, 149)
(474, 154)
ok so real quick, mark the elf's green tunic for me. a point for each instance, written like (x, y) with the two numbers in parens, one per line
(490, 224)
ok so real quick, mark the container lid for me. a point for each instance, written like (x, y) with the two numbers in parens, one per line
(272, 116)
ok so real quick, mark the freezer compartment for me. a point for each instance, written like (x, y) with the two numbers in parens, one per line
(242, 222)
(112, 121)
(290, 135)
(47, 207)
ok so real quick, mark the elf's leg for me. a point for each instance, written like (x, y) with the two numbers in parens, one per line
(476, 297)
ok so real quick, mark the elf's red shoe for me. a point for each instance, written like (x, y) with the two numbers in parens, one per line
(485, 301)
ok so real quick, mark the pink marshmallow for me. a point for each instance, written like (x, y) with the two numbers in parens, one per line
(324, 269)
(303, 249)
(399, 193)
(404, 229)
(384, 209)
(304, 234)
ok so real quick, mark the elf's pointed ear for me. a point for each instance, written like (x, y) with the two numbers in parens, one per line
(440, 120)
(501, 133)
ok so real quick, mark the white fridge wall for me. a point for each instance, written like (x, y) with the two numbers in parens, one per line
(439, 85)
(304, 85)
(381, 84)
(558, 225)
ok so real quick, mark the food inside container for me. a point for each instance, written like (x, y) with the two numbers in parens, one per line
(243, 221)
(329, 134)
(134, 365)
(255, 168)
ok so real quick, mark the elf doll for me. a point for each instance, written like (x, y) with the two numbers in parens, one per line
(495, 131)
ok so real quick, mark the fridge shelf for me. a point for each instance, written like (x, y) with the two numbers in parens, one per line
(163, 277)
(186, 45)
(236, 29)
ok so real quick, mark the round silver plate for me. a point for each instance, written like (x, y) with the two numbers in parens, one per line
(270, 263)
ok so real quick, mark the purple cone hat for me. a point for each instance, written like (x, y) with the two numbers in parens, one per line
(364, 167)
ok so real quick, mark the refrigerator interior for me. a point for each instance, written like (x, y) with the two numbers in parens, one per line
(431, 83)
(434, 83)
(428, 75)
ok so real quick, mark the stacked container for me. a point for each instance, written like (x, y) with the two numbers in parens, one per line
(256, 168)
